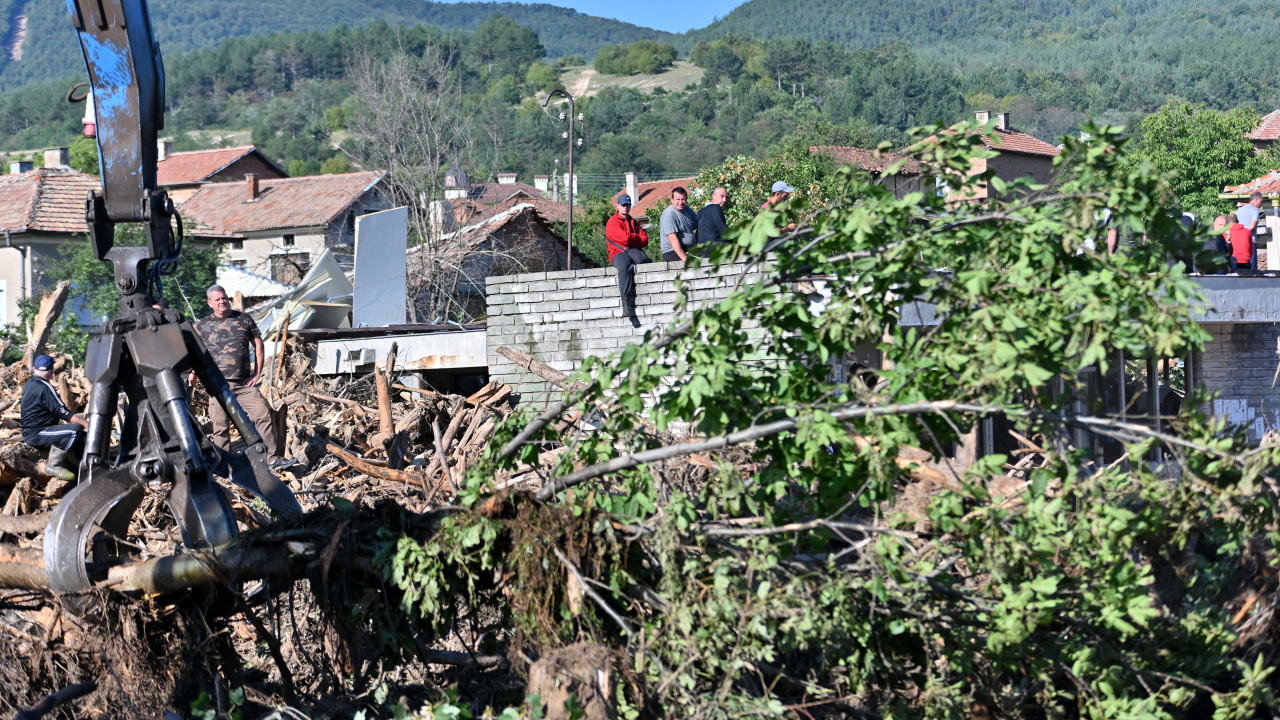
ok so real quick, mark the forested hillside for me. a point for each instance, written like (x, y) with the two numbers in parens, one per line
(293, 94)
(1177, 46)
(49, 49)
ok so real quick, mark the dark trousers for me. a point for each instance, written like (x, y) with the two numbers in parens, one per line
(626, 265)
(671, 256)
(69, 437)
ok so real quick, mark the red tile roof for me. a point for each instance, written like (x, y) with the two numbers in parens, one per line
(648, 194)
(869, 160)
(1018, 142)
(1268, 129)
(1268, 184)
(490, 193)
(185, 168)
(467, 212)
(282, 202)
(44, 200)
(481, 228)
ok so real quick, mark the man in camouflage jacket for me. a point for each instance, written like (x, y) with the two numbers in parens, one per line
(229, 335)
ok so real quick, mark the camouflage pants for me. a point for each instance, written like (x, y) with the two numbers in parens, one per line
(255, 406)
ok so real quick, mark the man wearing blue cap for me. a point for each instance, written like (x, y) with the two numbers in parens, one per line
(780, 193)
(626, 242)
(47, 423)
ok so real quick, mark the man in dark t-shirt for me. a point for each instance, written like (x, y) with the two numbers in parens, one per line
(230, 335)
(711, 223)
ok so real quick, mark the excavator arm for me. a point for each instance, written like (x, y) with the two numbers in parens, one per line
(126, 78)
(144, 351)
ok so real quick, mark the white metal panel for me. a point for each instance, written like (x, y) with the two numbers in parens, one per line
(465, 349)
(380, 277)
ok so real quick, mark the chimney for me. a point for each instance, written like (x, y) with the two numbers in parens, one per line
(984, 116)
(541, 182)
(506, 178)
(572, 190)
(1002, 121)
(57, 158)
(164, 149)
(17, 167)
(251, 187)
(632, 188)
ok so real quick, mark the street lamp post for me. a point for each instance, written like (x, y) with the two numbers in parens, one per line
(569, 185)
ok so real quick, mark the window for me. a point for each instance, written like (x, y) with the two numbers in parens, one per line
(289, 268)
(236, 245)
(288, 240)
(238, 264)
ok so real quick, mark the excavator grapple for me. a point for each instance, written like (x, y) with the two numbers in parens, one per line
(143, 352)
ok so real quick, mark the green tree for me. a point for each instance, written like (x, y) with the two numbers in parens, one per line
(1036, 600)
(640, 57)
(541, 77)
(84, 155)
(720, 62)
(500, 47)
(1201, 150)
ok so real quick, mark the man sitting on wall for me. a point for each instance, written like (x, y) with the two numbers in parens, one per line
(626, 241)
(47, 423)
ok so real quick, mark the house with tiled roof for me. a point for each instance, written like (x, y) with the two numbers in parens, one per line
(904, 180)
(280, 225)
(510, 240)
(183, 173)
(40, 210)
(646, 195)
(1019, 155)
(1266, 133)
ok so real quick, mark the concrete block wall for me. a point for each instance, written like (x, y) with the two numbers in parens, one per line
(1238, 364)
(561, 318)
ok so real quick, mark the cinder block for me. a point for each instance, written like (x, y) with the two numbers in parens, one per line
(531, 277)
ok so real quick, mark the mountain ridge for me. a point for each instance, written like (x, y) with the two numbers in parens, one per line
(49, 50)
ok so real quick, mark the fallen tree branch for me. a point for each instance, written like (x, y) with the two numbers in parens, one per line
(24, 524)
(52, 702)
(755, 432)
(368, 468)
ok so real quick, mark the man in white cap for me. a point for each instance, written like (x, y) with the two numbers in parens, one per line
(48, 423)
(781, 193)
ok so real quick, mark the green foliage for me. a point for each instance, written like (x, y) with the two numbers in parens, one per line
(1200, 151)
(542, 77)
(500, 47)
(50, 51)
(568, 61)
(1091, 591)
(84, 155)
(640, 57)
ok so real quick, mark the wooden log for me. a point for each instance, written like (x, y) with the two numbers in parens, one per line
(46, 318)
(237, 301)
(541, 369)
(368, 468)
(386, 426)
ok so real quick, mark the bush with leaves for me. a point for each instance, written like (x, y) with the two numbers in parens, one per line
(1090, 591)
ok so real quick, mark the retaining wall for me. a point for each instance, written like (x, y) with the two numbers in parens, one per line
(1239, 364)
(561, 318)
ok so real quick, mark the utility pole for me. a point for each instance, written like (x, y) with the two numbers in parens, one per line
(570, 185)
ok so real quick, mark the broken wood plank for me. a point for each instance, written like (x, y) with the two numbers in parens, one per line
(46, 318)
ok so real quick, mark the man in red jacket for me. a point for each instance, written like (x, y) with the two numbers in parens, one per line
(625, 240)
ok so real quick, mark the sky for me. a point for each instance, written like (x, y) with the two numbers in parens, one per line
(675, 16)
